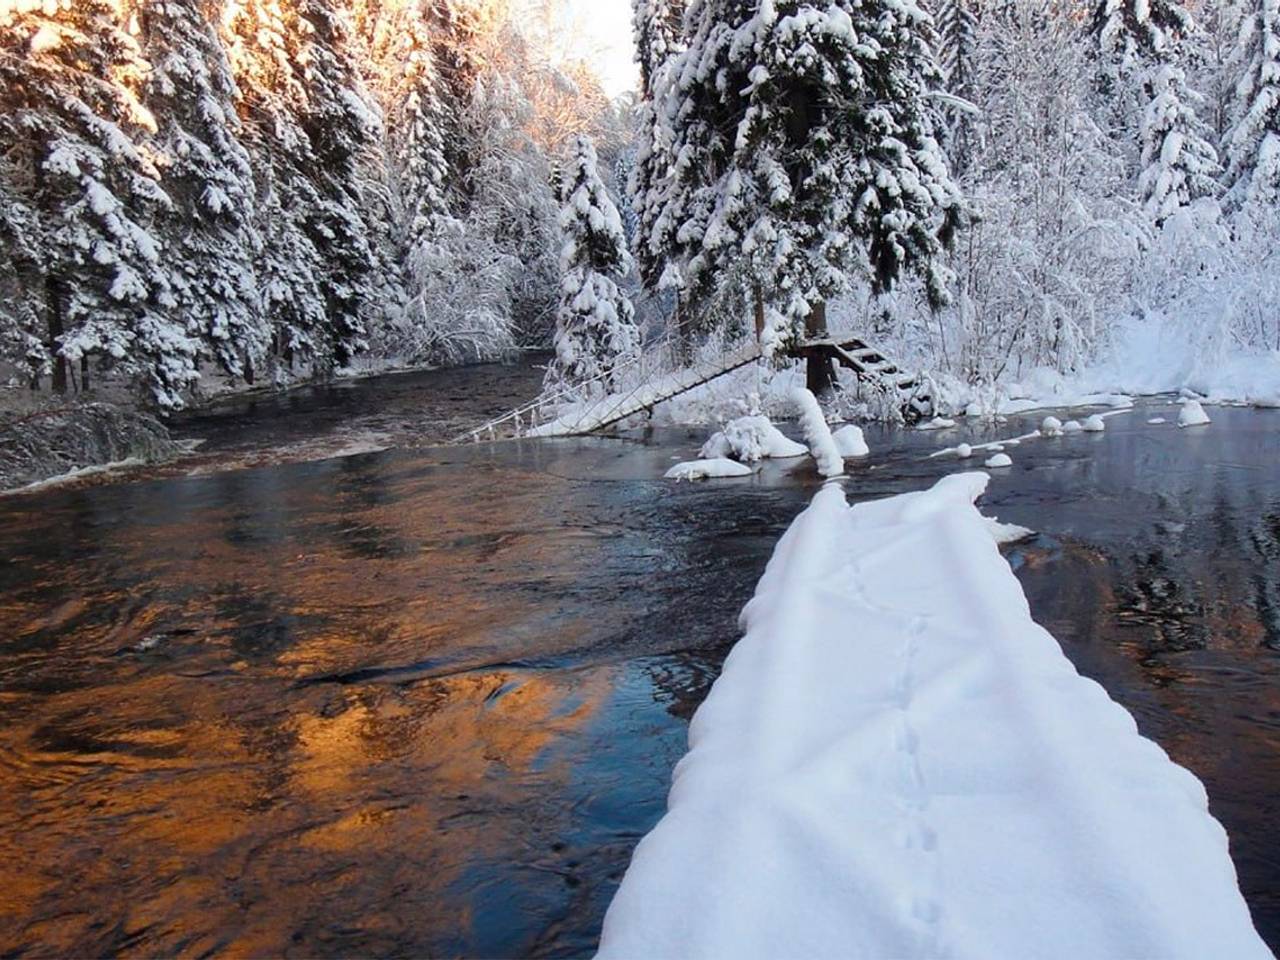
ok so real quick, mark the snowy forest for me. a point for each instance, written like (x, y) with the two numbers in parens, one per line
(197, 195)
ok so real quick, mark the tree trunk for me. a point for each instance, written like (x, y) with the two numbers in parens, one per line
(683, 340)
(249, 375)
(84, 372)
(759, 310)
(820, 376)
(55, 304)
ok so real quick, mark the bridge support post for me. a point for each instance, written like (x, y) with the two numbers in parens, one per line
(820, 374)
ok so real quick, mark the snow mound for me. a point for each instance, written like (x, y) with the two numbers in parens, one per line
(1192, 415)
(897, 761)
(1072, 426)
(707, 469)
(1051, 427)
(818, 434)
(1094, 424)
(964, 451)
(850, 442)
(1156, 420)
(752, 438)
(999, 460)
(1003, 533)
(937, 423)
(717, 447)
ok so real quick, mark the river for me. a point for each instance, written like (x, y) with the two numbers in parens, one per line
(425, 700)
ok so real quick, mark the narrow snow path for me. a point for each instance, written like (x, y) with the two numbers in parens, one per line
(898, 762)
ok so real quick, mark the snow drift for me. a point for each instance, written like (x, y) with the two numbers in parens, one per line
(898, 762)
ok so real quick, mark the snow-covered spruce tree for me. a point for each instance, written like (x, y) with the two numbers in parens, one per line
(815, 159)
(71, 115)
(1132, 34)
(1209, 68)
(698, 103)
(259, 39)
(1143, 84)
(1179, 163)
(595, 330)
(310, 123)
(657, 28)
(340, 122)
(1253, 143)
(408, 194)
(209, 233)
(957, 46)
(21, 330)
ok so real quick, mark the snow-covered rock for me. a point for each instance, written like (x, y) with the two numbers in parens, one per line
(850, 442)
(1094, 424)
(897, 761)
(1156, 420)
(964, 451)
(1192, 415)
(818, 435)
(752, 438)
(999, 460)
(707, 469)
(1072, 426)
(1051, 427)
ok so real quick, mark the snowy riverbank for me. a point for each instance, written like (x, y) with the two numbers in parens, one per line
(897, 761)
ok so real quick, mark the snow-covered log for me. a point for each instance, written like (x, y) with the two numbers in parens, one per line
(898, 762)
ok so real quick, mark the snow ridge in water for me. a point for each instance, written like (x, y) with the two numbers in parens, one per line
(898, 762)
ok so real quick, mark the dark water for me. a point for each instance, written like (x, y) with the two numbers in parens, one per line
(425, 702)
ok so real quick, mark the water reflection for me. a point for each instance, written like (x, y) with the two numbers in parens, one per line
(425, 703)
(405, 704)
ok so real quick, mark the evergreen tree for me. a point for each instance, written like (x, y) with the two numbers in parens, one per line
(71, 79)
(1179, 162)
(313, 123)
(1141, 45)
(957, 47)
(698, 105)
(656, 27)
(1133, 33)
(21, 331)
(1253, 143)
(657, 32)
(340, 123)
(261, 40)
(210, 232)
(810, 150)
(595, 329)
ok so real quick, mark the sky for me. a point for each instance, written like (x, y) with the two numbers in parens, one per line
(605, 30)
